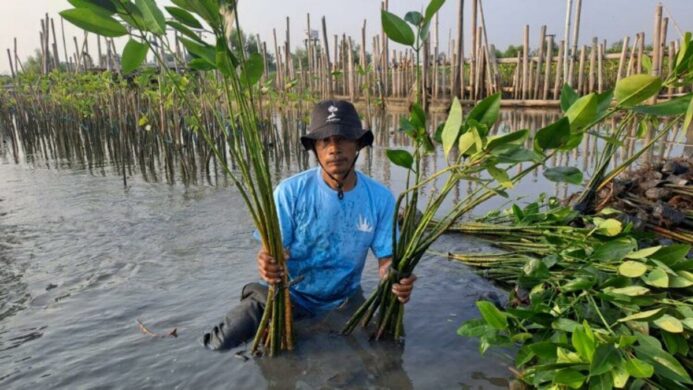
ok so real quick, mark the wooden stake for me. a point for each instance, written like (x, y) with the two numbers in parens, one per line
(525, 63)
(542, 34)
(559, 67)
(458, 82)
(622, 58)
(547, 71)
(593, 65)
(581, 70)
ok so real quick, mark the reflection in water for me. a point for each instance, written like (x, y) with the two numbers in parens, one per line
(155, 158)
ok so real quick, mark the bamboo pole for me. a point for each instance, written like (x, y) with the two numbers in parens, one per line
(56, 57)
(581, 70)
(559, 66)
(525, 63)
(435, 83)
(542, 40)
(517, 78)
(9, 57)
(350, 70)
(547, 71)
(656, 44)
(62, 33)
(327, 57)
(566, 38)
(576, 34)
(593, 64)
(600, 72)
(631, 58)
(670, 66)
(487, 55)
(622, 58)
(472, 63)
(641, 51)
(458, 82)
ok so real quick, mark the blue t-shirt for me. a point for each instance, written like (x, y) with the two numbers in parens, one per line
(328, 238)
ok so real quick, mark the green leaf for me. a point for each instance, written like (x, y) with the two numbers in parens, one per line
(669, 323)
(631, 291)
(96, 23)
(500, 176)
(672, 254)
(184, 17)
(510, 138)
(639, 369)
(432, 8)
(582, 112)
(657, 278)
(492, 315)
(452, 127)
(103, 6)
(553, 136)
(515, 154)
(418, 116)
(673, 107)
(664, 364)
(486, 111)
(689, 115)
(397, 29)
(604, 358)
(583, 342)
(400, 158)
(223, 61)
(413, 17)
(134, 54)
(570, 175)
(565, 324)
(476, 327)
(620, 376)
(632, 269)
(204, 51)
(615, 249)
(643, 253)
(466, 141)
(609, 227)
(152, 15)
(646, 63)
(578, 284)
(601, 382)
(643, 315)
(569, 377)
(252, 69)
(185, 31)
(568, 97)
(680, 280)
(635, 89)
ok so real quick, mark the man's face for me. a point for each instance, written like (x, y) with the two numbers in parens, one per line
(336, 154)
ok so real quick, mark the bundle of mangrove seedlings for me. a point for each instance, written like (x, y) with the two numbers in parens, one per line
(472, 155)
(588, 306)
(593, 302)
(239, 75)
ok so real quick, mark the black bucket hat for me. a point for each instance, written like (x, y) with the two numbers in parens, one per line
(336, 117)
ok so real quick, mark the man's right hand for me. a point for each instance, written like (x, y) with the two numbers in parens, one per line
(270, 271)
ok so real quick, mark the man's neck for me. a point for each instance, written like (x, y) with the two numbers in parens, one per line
(348, 183)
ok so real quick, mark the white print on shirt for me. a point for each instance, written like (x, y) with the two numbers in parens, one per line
(363, 225)
(333, 114)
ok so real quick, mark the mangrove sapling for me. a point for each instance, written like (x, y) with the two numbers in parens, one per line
(477, 157)
(588, 306)
(239, 75)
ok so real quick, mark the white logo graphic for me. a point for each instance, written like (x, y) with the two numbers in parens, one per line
(333, 114)
(363, 225)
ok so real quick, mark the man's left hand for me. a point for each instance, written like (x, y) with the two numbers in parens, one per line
(403, 289)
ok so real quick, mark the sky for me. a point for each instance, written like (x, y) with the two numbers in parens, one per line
(611, 20)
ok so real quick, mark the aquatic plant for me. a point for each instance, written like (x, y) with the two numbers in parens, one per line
(589, 306)
(239, 74)
(472, 154)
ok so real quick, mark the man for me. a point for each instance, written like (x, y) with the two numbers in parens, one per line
(330, 217)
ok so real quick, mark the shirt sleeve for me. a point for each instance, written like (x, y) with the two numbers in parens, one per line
(382, 241)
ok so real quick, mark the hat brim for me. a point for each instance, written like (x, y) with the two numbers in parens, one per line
(364, 137)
